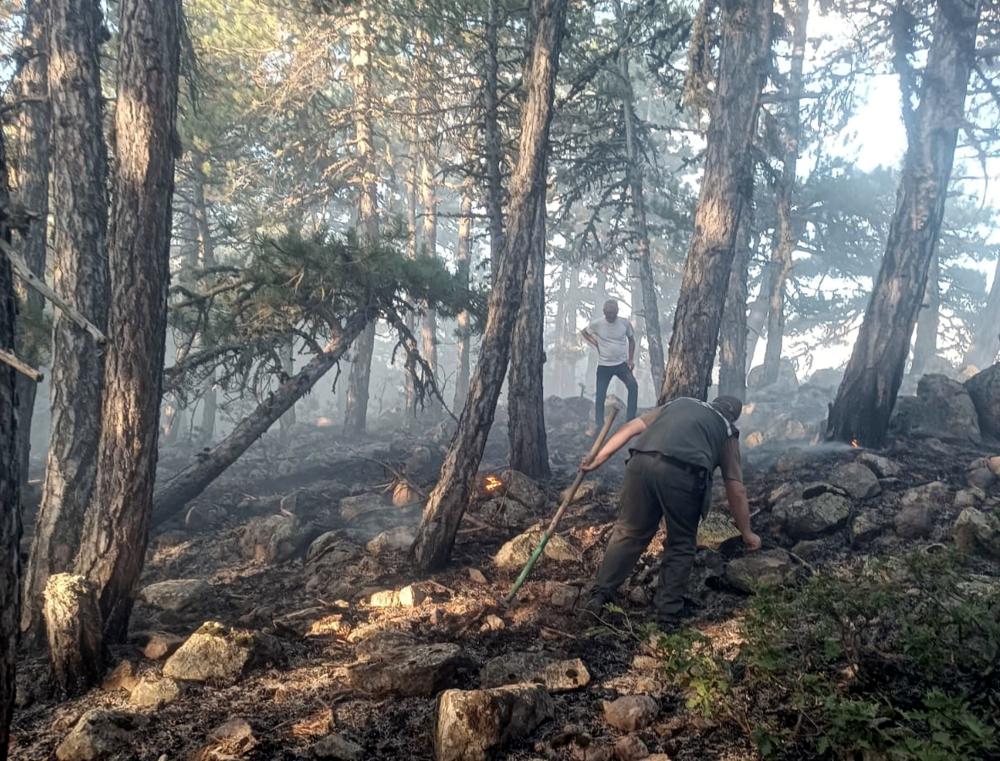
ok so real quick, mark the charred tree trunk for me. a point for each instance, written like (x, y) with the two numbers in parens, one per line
(492, 141)
(116, 526)
(743, 69)
(529, 451)
(925, 343)
(362, 47)
(80, 212)
(787, 235)
(733, 336)
(32, 168)
(871, 381)
(10, 481)
(194, 479)
(464, 263)
(73, 627)
(650, 311)
(206, 251)
(986, 335)
(446, 505)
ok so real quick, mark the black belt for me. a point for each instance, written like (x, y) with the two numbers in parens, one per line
(694, 470)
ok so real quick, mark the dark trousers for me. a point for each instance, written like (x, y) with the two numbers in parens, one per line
(604, 375)
(654, 489)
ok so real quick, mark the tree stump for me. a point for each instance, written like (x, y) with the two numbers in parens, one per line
(73, 624)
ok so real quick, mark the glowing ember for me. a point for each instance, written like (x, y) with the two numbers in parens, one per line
(492, 483)
(855, 443)
(324, 422)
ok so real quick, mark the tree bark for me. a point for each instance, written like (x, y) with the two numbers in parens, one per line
(733, 337)
(115, 530)
(446, 505)
(73, 627)
(529, 451)
(985, 344)
(570, 335)
(600, 296)
(32, 170)
(787, 235)
(194, 479)
(928, 320)
(871, 381)
(428, 322)
(743, 69)
(206, 250)
(80, 213)
(464, 262)
(650, 311)
(362, 48)
(412, 246)
(10, 481)
(492, 142)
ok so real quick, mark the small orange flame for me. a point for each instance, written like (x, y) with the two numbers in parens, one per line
(492, 483)
(324, 422)
(855, 443)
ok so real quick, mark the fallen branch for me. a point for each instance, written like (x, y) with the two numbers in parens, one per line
(24, 272)
(22, 367)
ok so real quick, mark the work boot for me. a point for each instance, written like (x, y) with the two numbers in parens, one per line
(593, 609)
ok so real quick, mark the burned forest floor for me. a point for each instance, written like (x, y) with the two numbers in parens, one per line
(279, 616)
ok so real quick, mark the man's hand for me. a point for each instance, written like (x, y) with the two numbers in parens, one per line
(631, 365)
(590, 463)
(752, 541)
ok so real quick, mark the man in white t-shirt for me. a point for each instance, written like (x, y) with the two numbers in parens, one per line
(614, 340)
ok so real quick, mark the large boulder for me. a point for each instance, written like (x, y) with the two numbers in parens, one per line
(332, 549)
(176, 594)
(272, 538)
(631, 712)
(520, 667)
(515, 553)
(917, 508)
(856, 479)
(984, 390)
(472, 725)
(215, 653)
(154, 692)
(808, 518)
(942, 409)
(828, 379)
(521, 488)
(407, 670)
(759, 569)
(787, 379)
(978, 532)
(100, 734)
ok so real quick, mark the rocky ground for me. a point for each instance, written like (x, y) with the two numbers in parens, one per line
(279, 617)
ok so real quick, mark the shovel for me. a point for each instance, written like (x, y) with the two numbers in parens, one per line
(567, 501)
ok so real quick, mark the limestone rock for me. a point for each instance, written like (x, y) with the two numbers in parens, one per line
(984, 390)
(864, 528)
(809, 548)
(515, 553)
(914, 522)
(333, 549)
(631, 712)
(403, 493)
(271, 539)
(971, 497)
(562, 596)
(808, 518)
(477, 577)
(931, 497)
(160, 645)
(121, 677)
(881, 466)
(397, 539)
(758, 569)
(338, 748)
(99, 734)
(505, 513)
(942, 409)
(409, 596)
(983, 473)
(523, 489)
(978, 532)
(553, 674)
(631, 748)
(472, 725)
(153, 692)
(587, 491)
(176, 594)
(407, 670)
(856, 479)
(230, 740)
(214, 653)
(353, 508)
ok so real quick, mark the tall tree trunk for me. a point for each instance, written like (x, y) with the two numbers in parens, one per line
(733, 336)
(194, 479)
(529, 451)
(492, 141)
(925, 343)
(80, 211)
(871, 381)
(116, 526)
(986, 334)
(32, 164)
(787, 235)
(757, 316)
(743, 69)
(428, 323)
(650, 311)
(446, 505)
(206, 256)
(10, 481)
(412, 246)
(600, 296)
(362, 48)
(464, 262)
(570, 336)
(287, 421)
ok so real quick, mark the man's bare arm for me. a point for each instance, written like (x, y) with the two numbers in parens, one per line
(621, 437)
(736, 493)
(631, 352)
(589, 338)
